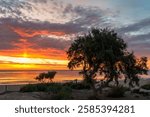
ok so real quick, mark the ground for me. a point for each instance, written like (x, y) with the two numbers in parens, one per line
(76, 94)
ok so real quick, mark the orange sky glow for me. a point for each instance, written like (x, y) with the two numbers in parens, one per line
(35, 34)
(27, 62)
(23, 57)
(26, 58)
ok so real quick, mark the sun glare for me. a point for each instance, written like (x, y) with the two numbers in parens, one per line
(24, 60)
(25, 55)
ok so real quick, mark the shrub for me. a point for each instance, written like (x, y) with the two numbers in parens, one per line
(135, 91)
(54, 88)
(59, 92)
(46, 76)
(29, 88)
(46, 87)
(147, 87)
(41, 87)
(63, 94)
(50, 75)
(117, 91)
(78, 86)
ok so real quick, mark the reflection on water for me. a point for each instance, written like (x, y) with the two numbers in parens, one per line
(25, 77)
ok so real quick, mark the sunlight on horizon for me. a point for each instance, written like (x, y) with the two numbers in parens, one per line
(31, 63)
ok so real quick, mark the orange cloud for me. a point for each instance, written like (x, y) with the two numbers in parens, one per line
(26, 60)
(31, 33)
(33, 59)
(49, 53)
(31, 67)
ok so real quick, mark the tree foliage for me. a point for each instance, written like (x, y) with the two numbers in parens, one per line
(46, 76)
(103, 51)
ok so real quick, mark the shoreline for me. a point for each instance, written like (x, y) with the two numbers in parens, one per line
(12, 93)
(11, 87)
(16, 87)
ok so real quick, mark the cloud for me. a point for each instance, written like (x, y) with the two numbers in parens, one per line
(7, 37)
(41, 31)
(20, 60)
(140, 44)
(52, 24)
(136, 26)
(46, 42)
(9, 8)
(137, 35)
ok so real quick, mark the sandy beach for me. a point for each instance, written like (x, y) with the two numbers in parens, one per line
(13, 93)
(11, 88)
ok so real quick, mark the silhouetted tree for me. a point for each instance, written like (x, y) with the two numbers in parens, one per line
(43, 76)
(50, 75)
(103, 51)
(134, 67)
(40, 77)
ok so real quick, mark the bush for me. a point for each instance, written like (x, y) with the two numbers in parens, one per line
(29, 88)
(46, 87)
(46, 76)
(147, 87)
(117, 91)
(63, 94)
(54, 88)
(77, 86)
(58, 91)
(135, 91)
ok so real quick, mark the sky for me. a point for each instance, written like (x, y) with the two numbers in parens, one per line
(35, 34)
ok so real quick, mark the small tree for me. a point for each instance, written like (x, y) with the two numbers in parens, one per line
(50, 75)
(40, 77)
(103, 51)
(43, 76)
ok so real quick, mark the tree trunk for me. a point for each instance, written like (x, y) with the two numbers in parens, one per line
(95, 91)
(90, 80)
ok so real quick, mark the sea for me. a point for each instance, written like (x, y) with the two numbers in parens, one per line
(28, 76)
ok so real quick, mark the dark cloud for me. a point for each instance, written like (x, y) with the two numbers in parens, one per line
(136, 26)
(46, 42)
(140, 38)
(12, 8)
(84, 16)
(7, 37)
(140, 43)
(40, 1)
(81, 19)
(67, 28)
(87, 16)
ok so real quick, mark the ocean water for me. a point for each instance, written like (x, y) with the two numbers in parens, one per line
(26, 77)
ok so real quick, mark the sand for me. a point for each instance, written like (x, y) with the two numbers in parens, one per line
(11, 92)
(11, 88)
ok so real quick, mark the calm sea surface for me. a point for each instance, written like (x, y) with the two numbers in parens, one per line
(25, 77)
